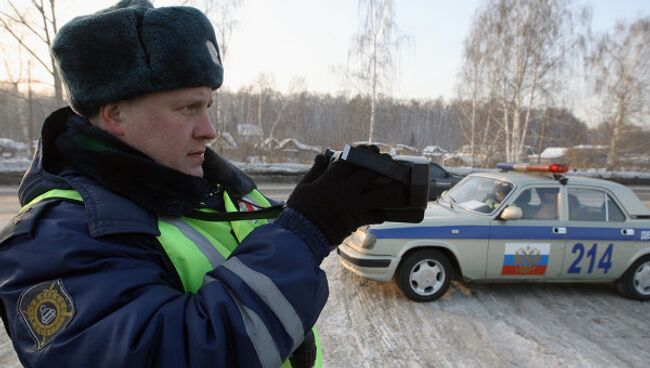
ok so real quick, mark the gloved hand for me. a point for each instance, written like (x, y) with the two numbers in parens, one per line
(342, 196)
(305, 355)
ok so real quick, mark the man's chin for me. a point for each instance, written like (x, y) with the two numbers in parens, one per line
(194, 171)
(198, 172)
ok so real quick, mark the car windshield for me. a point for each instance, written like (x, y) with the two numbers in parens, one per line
(480, 194)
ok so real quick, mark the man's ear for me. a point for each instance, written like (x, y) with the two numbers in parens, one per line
(111, 116)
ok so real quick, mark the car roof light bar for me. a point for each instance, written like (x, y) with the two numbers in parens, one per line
(554, 168)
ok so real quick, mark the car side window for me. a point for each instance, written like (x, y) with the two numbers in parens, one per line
(437, 172)
(539, 203)
(593, 205)
(614, 213)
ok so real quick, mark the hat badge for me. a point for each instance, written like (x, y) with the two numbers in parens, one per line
(213, 52)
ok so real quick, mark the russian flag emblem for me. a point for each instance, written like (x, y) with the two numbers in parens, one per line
(525, 259)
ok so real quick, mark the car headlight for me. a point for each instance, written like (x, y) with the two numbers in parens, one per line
(363, 238)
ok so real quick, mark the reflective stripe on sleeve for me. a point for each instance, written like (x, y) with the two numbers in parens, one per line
(209, 251)
(266, 348)
(266, 289)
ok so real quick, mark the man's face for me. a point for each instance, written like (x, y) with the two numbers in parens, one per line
(172, 127)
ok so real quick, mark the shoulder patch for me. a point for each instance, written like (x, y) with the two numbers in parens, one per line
(46, 309)
(23, 223)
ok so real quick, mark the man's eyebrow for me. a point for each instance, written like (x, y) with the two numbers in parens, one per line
(194, 101)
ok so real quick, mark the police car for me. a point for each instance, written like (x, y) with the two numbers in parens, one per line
(525, 223)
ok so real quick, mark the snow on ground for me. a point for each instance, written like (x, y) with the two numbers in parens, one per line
(273, 168)
(371, 324)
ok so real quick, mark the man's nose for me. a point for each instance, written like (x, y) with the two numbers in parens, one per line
(204, 128)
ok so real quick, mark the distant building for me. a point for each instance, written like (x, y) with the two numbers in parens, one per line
(287, 150)
(403, 149)
(553, 153)
(249, 130)
(292, 150)
(267, 145)
(434, 153)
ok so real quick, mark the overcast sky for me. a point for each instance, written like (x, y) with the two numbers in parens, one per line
(307, 38)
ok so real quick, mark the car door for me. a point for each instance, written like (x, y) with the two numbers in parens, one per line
(440, 181)
(600, 241)
(531, 247)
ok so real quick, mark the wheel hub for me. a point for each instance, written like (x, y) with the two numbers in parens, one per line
(641, 279)
(427, 277)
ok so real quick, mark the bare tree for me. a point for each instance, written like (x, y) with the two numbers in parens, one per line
(222, 16)
(13, 82)
(297, 85)
(620, 65)
(264, 87)
(372, 52)
(38, 20)
(516, 52)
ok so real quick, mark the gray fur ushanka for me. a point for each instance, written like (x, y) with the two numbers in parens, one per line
(133, 49)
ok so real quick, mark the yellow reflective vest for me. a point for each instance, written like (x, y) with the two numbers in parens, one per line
(197, 246)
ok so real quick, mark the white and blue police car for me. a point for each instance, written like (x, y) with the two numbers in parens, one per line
(525, 223)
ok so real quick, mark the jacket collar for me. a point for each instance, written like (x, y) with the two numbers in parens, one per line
(110, 213)
(110, 203)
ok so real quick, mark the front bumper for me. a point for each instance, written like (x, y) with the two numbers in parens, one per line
(380, 268)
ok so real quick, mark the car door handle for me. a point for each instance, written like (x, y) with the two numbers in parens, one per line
(559, 230)
(628, 232)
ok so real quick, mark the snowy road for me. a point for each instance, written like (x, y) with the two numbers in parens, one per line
(371, 324)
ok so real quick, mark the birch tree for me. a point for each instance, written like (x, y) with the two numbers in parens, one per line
(222, 15)
(516, 52)
(372, 53)
(620, 66)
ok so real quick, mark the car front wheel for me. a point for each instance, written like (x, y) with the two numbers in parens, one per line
(635, 282)
(424, 275)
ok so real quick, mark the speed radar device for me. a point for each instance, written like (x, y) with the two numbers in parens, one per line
(411, 171)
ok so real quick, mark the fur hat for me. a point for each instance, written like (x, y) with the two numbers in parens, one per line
(131, 49)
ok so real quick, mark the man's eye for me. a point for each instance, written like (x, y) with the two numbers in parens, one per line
(188, 109)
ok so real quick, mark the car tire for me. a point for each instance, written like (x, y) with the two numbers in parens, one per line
(635, 282)
(424, 275)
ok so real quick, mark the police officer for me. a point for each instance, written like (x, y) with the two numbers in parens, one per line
(134, 246)
(499, 193)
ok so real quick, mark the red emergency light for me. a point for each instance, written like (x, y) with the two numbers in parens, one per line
(554, 168)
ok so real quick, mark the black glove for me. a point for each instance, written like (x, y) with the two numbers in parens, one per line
(342, 196)
(305, 355)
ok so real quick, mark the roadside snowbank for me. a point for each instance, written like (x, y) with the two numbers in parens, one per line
(12, 170)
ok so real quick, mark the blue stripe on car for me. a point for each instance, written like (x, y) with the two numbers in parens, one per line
(504, 232)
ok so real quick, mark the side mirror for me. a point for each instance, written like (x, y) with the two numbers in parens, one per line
(443, 194)
(511, 213)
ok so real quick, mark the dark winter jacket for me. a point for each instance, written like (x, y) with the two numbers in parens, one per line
(100, 263)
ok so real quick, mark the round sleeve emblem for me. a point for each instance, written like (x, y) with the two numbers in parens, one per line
(46, 309)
